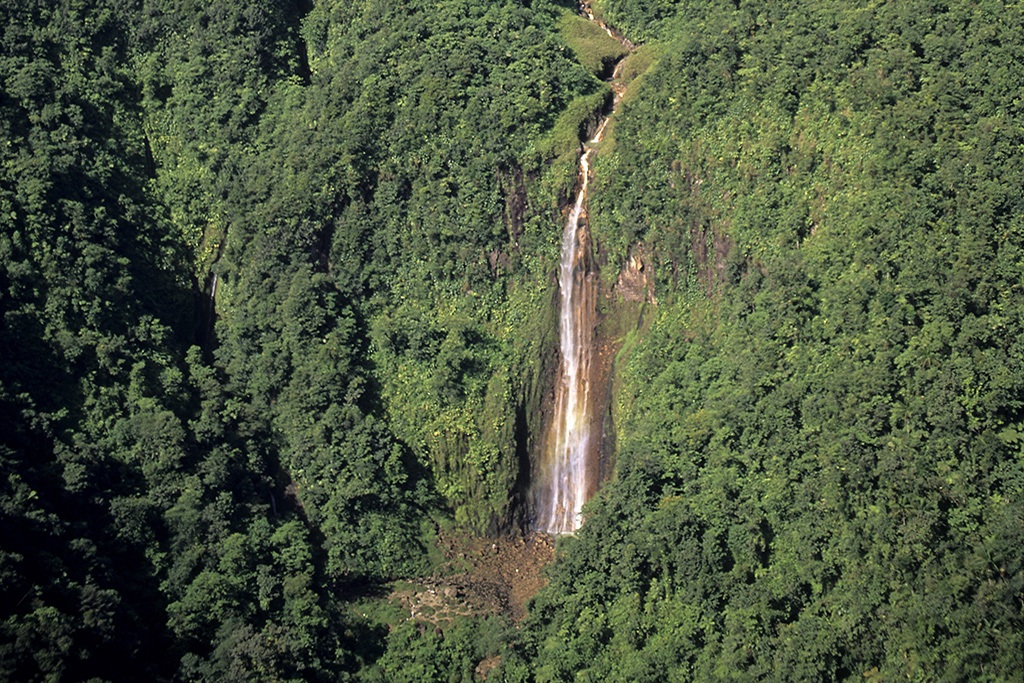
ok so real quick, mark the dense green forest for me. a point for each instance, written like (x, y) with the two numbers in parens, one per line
(820, 472)
(278, 294)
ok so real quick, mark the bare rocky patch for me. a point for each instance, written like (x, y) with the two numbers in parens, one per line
(480, 576)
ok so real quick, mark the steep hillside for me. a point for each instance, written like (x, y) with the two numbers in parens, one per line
(276, 290)
(279, 294)
(820, 465)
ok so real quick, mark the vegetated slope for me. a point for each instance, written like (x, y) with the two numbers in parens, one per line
(820, 470)
(270, 281)
(819, 452)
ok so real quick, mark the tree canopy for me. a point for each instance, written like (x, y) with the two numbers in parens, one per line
(278, 293)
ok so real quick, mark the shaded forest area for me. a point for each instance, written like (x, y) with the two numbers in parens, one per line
(277, 287)
(271, 277)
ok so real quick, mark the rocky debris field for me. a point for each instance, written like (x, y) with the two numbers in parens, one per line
(479, 576)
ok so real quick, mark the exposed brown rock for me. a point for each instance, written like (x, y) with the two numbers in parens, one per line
(480, 576)
(635, 282)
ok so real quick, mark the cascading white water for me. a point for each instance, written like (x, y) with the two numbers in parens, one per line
(568, 470)
(567, 474)
(561, 513)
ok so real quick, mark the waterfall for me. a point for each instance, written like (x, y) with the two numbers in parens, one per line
(569, 466)
(567, 474)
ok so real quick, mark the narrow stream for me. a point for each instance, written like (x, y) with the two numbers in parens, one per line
(568, 473)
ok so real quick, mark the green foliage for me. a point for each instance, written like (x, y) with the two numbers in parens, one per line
(818, 471)
(563, 141)
(277, 288)
(211, 216)
(417, 652)
(593, 48)
(637, 62)
(438, 223)
(642, 21)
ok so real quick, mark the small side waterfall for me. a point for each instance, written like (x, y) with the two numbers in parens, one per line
(569, 468)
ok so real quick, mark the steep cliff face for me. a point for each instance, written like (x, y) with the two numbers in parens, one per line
(569, 467)
(635, 281)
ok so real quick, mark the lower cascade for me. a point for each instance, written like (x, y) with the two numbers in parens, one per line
(569, 467)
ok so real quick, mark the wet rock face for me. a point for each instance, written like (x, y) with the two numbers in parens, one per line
(567, 472)
(635, 282)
